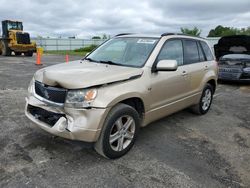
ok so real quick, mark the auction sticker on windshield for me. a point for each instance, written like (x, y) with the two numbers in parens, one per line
(146, 41)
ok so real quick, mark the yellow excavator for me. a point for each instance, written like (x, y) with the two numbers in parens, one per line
(14, 39)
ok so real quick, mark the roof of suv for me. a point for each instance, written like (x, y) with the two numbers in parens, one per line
(137, 35)
(158, 36)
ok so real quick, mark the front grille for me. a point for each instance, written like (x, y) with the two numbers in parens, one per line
(22, 38)
(233, 63)
(45, 116)
(54, 94)
(231, 70)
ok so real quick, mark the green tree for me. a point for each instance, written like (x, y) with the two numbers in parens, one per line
(194, 31)
(221, 31)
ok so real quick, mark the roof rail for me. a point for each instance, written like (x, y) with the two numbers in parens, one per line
(121, 34)
(182, 34)
(166, 34)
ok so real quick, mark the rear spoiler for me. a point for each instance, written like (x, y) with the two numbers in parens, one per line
(239, 44)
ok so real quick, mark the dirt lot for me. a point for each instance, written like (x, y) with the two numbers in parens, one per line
(182, 150)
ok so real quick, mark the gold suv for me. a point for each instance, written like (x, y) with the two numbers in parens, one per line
(126, 83)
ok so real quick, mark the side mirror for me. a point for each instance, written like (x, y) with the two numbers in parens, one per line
(167, 65)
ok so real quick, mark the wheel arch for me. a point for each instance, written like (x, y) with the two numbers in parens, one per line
(212, 82)
(133, 100)
(136, 103)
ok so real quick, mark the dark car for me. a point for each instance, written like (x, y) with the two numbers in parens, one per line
(233, 55)
(234, 67)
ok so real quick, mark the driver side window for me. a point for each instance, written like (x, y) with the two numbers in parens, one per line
(172, 50)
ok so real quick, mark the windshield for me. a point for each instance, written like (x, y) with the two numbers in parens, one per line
(14, 26)
(131, 51)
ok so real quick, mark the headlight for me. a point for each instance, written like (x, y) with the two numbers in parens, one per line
(80, 98)
(246, 70)
(247, 64)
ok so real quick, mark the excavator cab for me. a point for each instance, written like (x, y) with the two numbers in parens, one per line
(8, 25)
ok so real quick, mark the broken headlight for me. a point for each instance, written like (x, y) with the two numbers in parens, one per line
(80, 98)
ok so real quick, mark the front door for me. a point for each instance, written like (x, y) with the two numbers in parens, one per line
(169, 86)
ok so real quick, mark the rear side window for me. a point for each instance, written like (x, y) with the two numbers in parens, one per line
(191, 54)
(207, 51)
(201, 54)
(172, 50)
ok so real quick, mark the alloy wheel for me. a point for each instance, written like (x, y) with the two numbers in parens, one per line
(122, 133)
(206, 99)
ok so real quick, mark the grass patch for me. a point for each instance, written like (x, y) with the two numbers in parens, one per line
(64, 52)
(80, 51)
(86, 49)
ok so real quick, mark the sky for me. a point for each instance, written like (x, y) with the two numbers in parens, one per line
(84, 19)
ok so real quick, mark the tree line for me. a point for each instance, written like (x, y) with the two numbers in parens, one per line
(219, 31)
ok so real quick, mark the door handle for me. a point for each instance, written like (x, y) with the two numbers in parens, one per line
(206, 68)
(184, 73)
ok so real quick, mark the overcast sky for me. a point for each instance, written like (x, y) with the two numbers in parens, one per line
(88, 18)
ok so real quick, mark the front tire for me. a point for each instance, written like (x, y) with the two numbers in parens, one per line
(6, 51)
(119, 132)
(205, 101)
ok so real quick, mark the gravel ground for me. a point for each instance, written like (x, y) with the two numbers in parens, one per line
(181, 150)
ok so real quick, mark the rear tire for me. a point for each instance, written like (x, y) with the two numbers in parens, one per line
(205, 101)
(28, 54)
(119, 132)
(6, 51)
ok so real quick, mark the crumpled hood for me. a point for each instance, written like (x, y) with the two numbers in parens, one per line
(83, 74)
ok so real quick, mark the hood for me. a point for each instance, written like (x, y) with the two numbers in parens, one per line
(83, 74)
(235, 44)
(242, 57)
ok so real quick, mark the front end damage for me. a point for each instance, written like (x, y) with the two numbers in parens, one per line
(233, 54)
(72, 123)
(63, 98)
(234, 69)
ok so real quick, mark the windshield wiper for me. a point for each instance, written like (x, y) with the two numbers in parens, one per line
(110, 62)
(91, 60)
(101, 61)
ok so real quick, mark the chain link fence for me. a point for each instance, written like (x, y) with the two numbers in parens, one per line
(57, 44)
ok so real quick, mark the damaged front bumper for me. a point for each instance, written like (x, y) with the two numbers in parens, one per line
(234, 74)
(75, 124)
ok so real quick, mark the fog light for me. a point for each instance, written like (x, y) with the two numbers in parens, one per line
(62, 125)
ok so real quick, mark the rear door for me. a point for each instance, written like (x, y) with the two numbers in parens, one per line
(195, 64)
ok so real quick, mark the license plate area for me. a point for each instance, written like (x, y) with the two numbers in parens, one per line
(45, 116)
